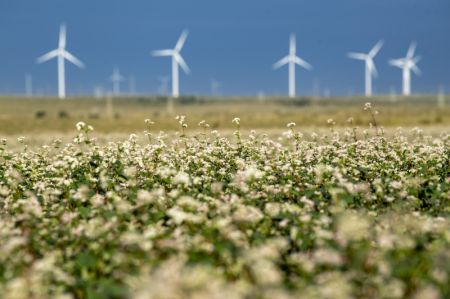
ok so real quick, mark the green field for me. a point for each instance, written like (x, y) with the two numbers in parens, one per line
(124, 115)
(246, 216)
(307, 205)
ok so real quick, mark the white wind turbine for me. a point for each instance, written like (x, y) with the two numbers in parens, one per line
(177, 60)
(215, 87)
(28, 85)
(61, 54)
(116, 78)
(370, 65)
(407, 63)
(292, 59)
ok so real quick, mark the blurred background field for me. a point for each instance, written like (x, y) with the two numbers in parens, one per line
(28, 116)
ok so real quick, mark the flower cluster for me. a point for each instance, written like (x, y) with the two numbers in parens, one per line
(205, 217)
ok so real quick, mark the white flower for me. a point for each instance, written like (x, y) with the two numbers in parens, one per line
(327, 256)
(352, 226)
(80, 125)
(182, 178)
(247, 214)
(149, 122)
(252, 173)
(272, 209)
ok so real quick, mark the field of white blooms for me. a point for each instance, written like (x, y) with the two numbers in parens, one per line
(336, 215)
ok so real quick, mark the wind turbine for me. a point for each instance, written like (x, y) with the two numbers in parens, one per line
(61, 54)
(28, 85)
(408, 63)
(215, 87)
(132, 85)
(116, 77)
(292, 59)
(177, 60)
(371, 70)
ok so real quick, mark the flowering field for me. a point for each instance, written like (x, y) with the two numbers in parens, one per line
(336, 215)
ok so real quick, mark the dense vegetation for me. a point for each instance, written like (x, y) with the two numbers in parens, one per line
(340, 215)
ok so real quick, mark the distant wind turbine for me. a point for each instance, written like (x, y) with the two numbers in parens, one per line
(28, 85)
(370, 65)
(215, 87)
(61, 54)
(407, 64)
(441, 97)
(177, 60)
(116, 77)
(292, 59)
(98, 91)
(132, 85)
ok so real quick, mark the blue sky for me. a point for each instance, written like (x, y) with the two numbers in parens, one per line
(234, 41)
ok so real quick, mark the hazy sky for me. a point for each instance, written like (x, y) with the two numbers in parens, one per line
(234, 41)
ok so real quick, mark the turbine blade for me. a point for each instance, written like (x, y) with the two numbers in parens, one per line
(302, 63)
(62, 36)
(416, 59)
(358, 56)
(375, 71)
(48, 56)
(162, 52)
(411, 50)
(397, 62)
(281, 62)
(181, 41)
(292, 44)
(376, 49)
(372, 67)
(182, 63)
(116, 76)
(416, 70)
(73, 59)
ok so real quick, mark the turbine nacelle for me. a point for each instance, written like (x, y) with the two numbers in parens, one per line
(409, 62)
(177, 60)
(371, 70)
(62, 54)
(292, 59)
(116, 76)
(368, 58)
(175, 52)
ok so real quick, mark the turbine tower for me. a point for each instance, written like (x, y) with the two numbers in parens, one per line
(177, 60)
(215, 87)
(163, 88)
(116, 77)
(370, 65)
(61, 54)
(132, 85)
(28, 85)
(407, 64)
(292, 59)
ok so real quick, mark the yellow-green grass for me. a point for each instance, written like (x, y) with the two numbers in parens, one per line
(21, 115)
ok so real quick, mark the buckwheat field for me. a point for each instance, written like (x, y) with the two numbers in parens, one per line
(352, 213)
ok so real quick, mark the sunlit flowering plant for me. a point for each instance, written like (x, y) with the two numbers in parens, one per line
(200, 215)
